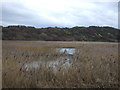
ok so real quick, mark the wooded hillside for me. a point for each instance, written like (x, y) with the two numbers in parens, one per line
(92, 33)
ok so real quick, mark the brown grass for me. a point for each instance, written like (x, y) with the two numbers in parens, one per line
(93, 65)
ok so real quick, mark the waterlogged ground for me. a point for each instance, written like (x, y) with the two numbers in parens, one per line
(59, 64)
(65, 61)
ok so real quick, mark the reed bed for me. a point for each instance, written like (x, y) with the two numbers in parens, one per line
(94, 65)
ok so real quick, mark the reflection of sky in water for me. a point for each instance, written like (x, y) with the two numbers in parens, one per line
(62, 61)
(67, 50)
(34, 64)
(52, 64)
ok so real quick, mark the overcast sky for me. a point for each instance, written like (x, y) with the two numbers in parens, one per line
(60, 13)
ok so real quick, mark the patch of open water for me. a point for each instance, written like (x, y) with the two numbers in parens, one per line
(64, 62)
(66, 50)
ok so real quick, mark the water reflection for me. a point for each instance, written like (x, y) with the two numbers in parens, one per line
(63, 61)
(54, 64)
(67, 50)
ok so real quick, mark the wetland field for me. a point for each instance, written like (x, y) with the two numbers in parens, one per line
(58, 64)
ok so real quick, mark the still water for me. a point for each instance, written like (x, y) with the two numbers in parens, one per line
(61, 61)
(67, 50)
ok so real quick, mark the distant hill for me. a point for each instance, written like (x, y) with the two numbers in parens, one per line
(91, 33)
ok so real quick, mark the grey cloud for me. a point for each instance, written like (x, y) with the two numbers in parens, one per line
(18, 14)
(103, 14)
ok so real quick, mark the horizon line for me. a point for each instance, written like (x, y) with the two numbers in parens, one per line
(58, 26)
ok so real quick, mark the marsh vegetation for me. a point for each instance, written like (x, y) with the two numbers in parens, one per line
(40, 64)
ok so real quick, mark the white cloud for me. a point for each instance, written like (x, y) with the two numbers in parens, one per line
(63, 13)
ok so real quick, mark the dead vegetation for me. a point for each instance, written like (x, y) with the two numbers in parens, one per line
(93, 65)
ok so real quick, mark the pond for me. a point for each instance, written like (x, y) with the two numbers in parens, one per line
(66, 50)
(63, 61)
